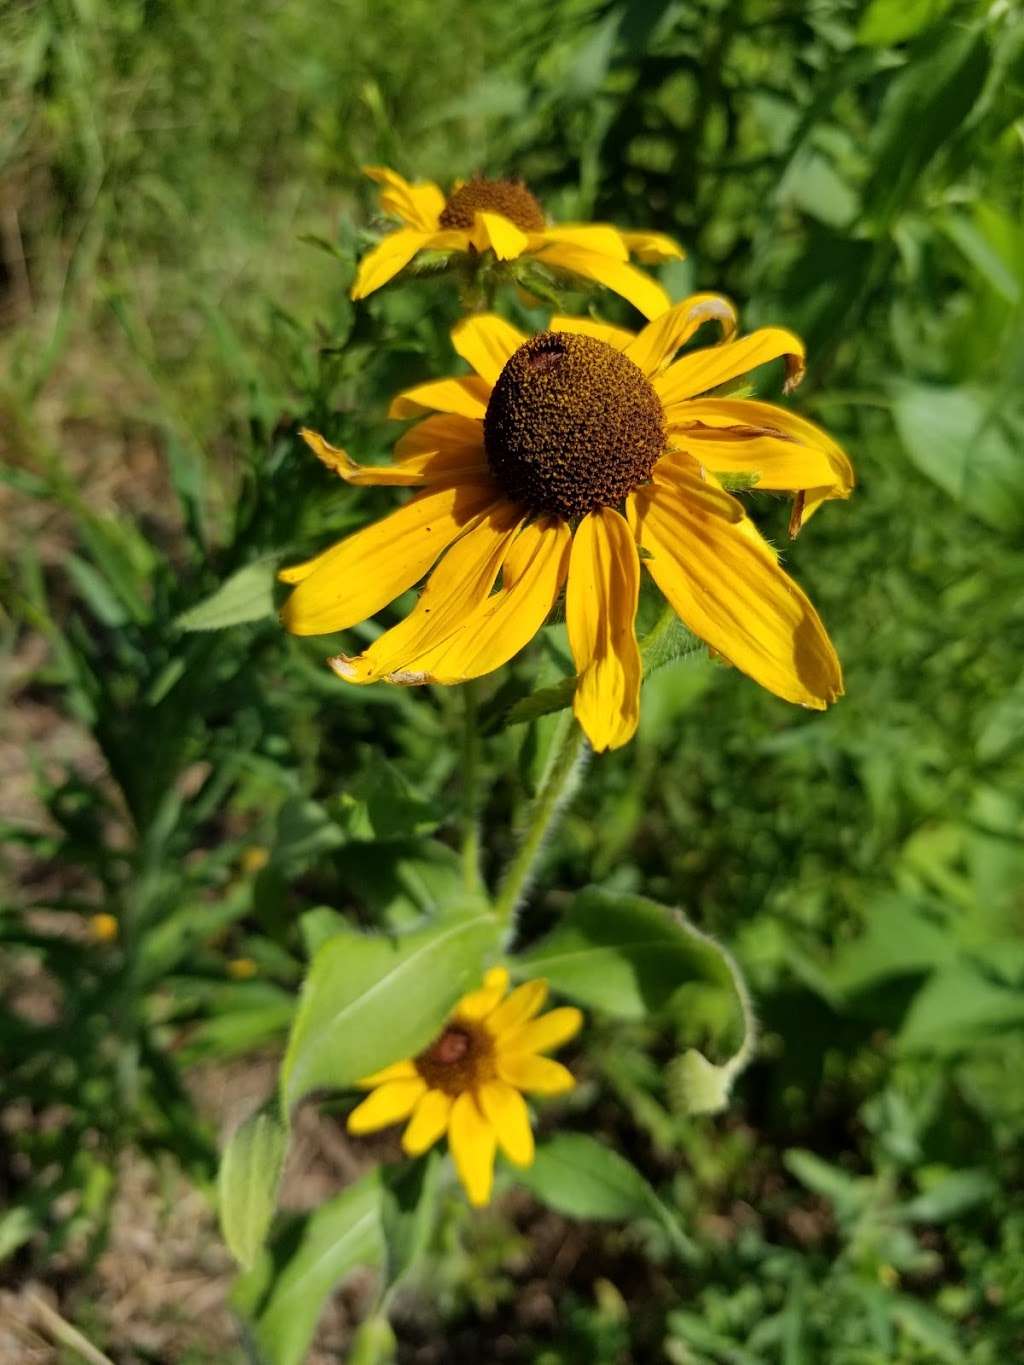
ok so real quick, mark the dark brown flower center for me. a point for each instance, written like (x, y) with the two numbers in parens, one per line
(572, 424)
(510, 198)
(461, 1058)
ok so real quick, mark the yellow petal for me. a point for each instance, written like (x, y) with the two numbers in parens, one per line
(521, 1005)
(355, 578)
(487, 342)
(773, 421)
(600, 610)
(600, 237)
(588, 327)
(397, 1071)
(342, 463)
(428, 1122)
(533, 574)
(467, 397)
(509, 1117)
(462, 581)
(497, 232)
(623, 279)
(726, 584)
(707, 369)
(652, 247)
(703, 492)
(446, 432)
(660, 339)
(780, 465)
(386, 259)
(386, 1105)
(481, 1001)
(535, 1075)
(472, 1142)
(549, 1031)
(420, 204)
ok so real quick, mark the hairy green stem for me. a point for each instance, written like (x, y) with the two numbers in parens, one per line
(567, 754)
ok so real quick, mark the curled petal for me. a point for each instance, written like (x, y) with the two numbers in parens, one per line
(420, 204)
(707, 369)
(499, 234)
(660, 339)
(631, 284)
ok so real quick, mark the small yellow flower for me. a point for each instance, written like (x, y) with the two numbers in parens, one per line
(503, 216)
(254, 859)
(469, 1082)
(242, 968)
(103, 928)
(527, 464)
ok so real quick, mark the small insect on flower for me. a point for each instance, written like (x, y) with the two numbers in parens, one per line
(469, 1083)
(561, 461)
(504, 217)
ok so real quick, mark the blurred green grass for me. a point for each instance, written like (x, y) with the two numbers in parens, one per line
(852, 171)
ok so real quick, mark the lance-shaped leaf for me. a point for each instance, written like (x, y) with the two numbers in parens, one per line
(250, 1172)
(370, 1000)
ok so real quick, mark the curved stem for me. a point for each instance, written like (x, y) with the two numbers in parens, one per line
(567, 755)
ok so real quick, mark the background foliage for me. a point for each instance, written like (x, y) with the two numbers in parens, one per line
(181, 212)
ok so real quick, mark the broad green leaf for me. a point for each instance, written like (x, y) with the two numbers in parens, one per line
(248, 595)
(894, 21)
(250, 1172)
(370, 1000)
(960, 439)
(341, 1236)
(624, 955)
(582, 1178)
(699, 1086)
(959, 1006)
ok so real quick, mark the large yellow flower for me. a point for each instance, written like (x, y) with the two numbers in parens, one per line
(525, 464)
(503, 216)
(469, 1082)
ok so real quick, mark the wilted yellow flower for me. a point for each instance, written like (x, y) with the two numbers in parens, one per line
(469, 1083)
(103, 928)
(526, 464)
(503, 216)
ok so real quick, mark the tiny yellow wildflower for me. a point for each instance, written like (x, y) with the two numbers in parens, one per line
(504, 217)
(242, 968)
(103, 928)
(254, 859)
(469, 1083)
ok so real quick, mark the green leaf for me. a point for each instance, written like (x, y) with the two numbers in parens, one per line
(700, 1087)
(582, 1178)
(341, 1236)
(957, 1007)
(250, 1172)
(369, 1000)
(951, 1196)
(624, 955)
(926, 104)
(409, 1204)
(960, 438)
(885, 22)
(248, 595)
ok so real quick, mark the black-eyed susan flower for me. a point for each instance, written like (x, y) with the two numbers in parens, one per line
(527, 463)
(502, 216)
(469, 1083)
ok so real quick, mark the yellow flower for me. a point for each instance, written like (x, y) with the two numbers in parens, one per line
(503, 216)
(103, 928)
(525, 463)
(469, 1082)
(242, 968)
